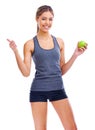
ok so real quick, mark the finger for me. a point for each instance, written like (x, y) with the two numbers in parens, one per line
(8, 40)
(81, 49)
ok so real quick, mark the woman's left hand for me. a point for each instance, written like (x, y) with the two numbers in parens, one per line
(79, 51)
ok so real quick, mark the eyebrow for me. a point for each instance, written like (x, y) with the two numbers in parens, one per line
(46, 17)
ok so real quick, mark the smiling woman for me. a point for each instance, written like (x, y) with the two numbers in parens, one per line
(73, 20)
(47, 52)
(41, 18)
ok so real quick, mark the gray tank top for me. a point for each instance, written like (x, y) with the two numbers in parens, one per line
(48, 74)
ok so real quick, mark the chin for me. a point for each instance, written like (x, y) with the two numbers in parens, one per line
(46, 31)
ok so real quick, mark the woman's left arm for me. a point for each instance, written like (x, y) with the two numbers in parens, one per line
(66, 66)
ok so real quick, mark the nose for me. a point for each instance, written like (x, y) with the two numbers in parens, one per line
(47, 21)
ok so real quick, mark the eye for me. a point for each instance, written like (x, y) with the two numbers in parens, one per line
(43, 18)
(51, 19)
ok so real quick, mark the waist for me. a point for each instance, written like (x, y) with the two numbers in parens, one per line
(47, 84)
(48, 77)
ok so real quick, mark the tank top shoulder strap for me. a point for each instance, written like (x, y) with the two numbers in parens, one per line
(35, 41)
(34, 38)
(55, 41)
(36, 46)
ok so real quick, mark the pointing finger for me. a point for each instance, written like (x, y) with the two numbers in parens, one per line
(8, 40)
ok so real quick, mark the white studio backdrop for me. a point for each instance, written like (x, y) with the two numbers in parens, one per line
(74, 21)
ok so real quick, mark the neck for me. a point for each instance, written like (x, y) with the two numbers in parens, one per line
(43, 35)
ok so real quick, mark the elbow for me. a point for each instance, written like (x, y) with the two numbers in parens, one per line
(63, 69)
(27, 74)
(63, 73)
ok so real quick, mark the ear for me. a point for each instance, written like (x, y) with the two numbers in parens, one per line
(36, 19)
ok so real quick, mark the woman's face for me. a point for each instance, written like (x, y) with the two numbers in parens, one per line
(44, 21)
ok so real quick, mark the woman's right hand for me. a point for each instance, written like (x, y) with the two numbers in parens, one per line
(12, 45)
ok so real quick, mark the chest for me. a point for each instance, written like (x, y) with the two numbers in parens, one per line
(47, 45)
(46, 52)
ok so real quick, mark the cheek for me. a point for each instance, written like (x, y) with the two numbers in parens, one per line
(39, 23)
(51, 23)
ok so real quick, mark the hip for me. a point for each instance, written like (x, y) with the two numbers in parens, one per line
(44, 96)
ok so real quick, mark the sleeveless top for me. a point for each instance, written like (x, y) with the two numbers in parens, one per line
(48, 74)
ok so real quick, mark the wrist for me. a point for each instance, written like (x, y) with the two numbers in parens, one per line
(15, 51)
(74, 55)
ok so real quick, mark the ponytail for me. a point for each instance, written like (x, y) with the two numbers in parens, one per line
(37, 28)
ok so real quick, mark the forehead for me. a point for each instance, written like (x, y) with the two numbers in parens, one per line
(46, 14)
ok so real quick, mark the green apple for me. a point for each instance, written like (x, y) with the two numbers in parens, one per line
(81, 44)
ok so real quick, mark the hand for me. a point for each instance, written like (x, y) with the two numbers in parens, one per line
(79, 51)
(12, 45)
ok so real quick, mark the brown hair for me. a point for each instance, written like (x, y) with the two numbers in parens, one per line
(43, 9)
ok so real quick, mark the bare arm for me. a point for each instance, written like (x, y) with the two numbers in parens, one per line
(24, 65)
(66, 66)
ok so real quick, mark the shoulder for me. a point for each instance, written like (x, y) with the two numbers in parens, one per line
(60, 42)
(29, 45)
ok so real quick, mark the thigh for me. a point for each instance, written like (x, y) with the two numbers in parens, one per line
(65, 113)
(39, 112)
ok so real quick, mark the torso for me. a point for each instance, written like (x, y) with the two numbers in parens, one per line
(47, 63)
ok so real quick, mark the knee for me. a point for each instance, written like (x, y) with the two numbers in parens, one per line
(73, 127)
(40, 127)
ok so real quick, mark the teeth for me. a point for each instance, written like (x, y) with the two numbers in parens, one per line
(46, 27)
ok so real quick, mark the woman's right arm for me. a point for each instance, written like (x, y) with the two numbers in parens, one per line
(23, 65)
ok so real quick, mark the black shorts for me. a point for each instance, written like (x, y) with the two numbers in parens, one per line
(44, 96)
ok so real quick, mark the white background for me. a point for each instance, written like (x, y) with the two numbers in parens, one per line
(74, 21)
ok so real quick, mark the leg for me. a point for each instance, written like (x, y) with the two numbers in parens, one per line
(39, 111)
(65, 113)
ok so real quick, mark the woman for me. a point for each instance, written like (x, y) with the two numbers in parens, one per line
(47, 52)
